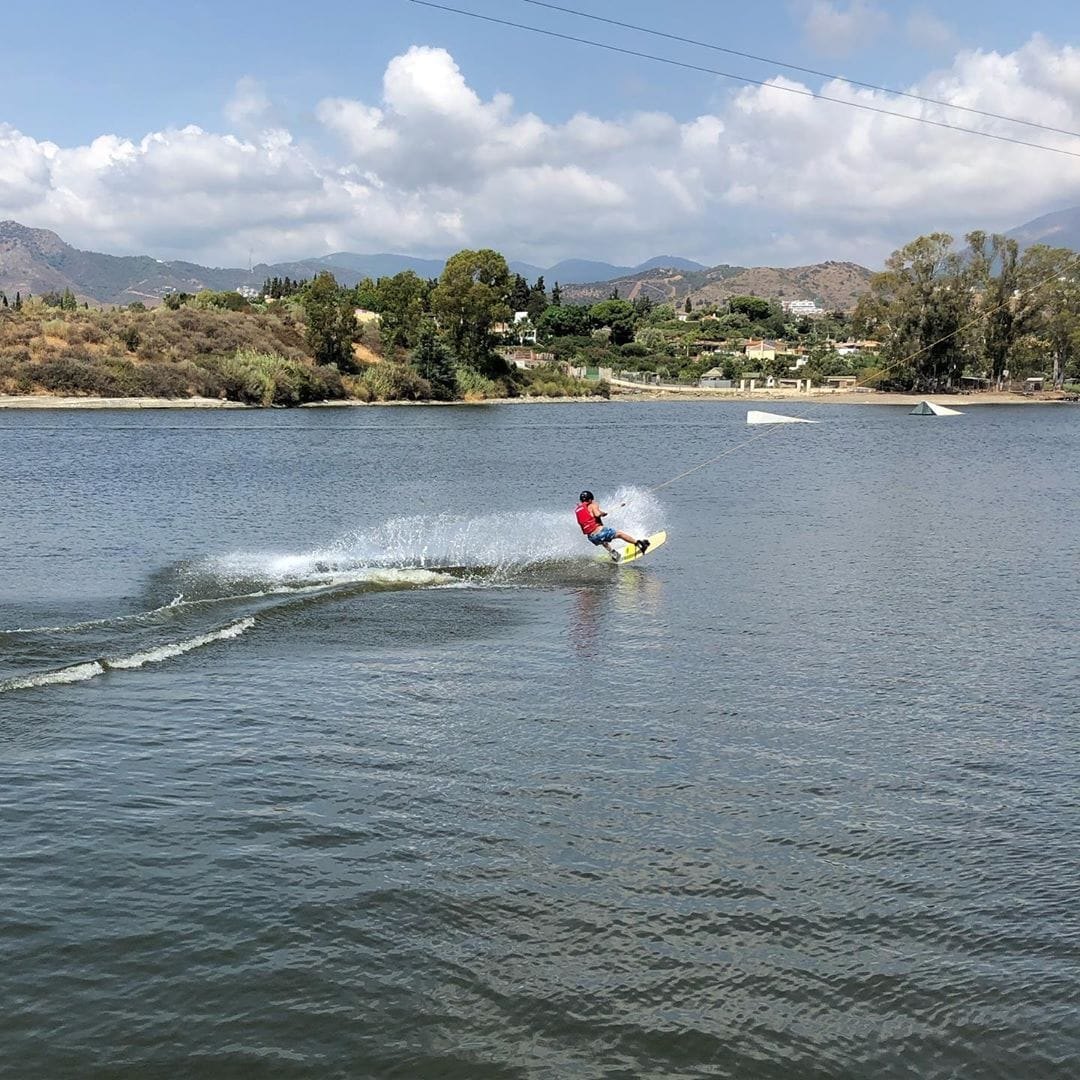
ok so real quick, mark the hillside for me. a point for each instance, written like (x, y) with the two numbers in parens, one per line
(834, 285)
(37, 261)
(1060, 229)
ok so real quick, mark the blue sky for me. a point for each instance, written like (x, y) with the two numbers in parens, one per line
(390, 126)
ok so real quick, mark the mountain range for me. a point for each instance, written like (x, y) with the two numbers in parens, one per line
(34, 261)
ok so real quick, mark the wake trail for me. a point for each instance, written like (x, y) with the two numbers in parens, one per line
(490, 547)
(519, 548)
(91, 669)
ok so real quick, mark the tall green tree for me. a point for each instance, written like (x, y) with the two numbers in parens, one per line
(468, 300)
(519, 294)
(556, 296)
(918, 307)
(433, 361)
(537, 302)
(1053, 276)
(1008, 300)
(402, 301)
(331, 322)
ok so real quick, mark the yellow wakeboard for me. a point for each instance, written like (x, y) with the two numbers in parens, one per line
(631, 554)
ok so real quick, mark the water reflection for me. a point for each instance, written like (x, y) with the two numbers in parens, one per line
(631, 591)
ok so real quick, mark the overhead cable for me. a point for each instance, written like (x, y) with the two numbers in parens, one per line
(804, 70)
(745, 79)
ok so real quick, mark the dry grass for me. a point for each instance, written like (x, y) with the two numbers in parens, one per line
(158, 353)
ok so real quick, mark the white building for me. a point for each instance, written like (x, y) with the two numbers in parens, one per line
(803, 308)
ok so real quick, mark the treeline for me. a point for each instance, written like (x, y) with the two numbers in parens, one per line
(935, 314)
(986, 310)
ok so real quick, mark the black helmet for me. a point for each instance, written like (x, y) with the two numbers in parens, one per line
(586, 496)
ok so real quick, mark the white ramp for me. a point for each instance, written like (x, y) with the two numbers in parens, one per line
(928, 408)
(755, 416)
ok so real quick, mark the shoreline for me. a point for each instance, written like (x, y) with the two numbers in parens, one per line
(836, 397)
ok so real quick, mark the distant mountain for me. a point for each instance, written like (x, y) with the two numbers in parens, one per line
(668, 262)
(585, 271)
(1060, 229)
(37, 261)
(834, 285)
(377, 266)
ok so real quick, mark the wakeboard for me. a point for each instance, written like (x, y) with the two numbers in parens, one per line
(631, 554)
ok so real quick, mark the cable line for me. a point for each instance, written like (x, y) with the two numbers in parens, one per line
(745, 79)
(803, 70)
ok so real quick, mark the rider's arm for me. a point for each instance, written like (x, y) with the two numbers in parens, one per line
(594, 509)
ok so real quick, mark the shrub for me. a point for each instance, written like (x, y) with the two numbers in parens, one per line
(472, 386)
(268, 379)
(395, 382)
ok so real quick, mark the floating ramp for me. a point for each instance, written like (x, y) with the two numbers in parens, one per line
(928, 408)
(754, 416)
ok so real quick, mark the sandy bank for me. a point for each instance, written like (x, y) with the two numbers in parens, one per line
(836, 397)
(47, 401)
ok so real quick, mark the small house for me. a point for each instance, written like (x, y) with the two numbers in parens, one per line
(714, 379)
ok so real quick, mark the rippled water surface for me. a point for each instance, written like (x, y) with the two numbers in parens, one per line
(327, 749)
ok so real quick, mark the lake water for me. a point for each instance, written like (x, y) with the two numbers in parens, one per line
(326, 750)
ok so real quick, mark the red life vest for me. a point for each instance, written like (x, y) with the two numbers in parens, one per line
(585, 518)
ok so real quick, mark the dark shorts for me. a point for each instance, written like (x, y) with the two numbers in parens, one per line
(602, 536)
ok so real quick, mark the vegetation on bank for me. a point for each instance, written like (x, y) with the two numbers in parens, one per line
(986, 311)
(935, 314)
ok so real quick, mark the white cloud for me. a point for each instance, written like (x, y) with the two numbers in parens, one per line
(926, 31)
(836, 29)
(249, 106)
(431, 167)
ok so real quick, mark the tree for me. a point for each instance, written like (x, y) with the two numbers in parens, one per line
(688, 305)
(1009, 308)
(467, 301)
(519, 294)
(1052, 276)
(433, 361)
(618, 316)
(18, 301)
(753, 307)
(569, 321)
(402, 301)
(556, 296)
(366, 295)
(918, 307)
(331, 322)
(537, 302)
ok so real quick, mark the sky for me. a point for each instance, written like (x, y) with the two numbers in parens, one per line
(272, 131)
